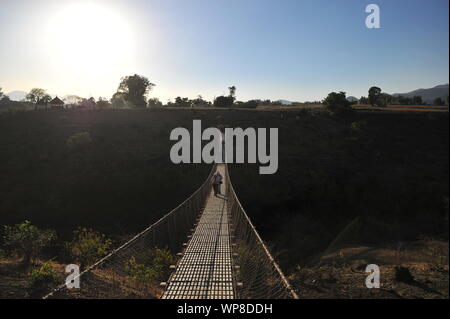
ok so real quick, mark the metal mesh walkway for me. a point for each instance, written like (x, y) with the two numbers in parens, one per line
(205, 269)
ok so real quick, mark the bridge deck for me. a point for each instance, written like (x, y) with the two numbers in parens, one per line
(205, 269)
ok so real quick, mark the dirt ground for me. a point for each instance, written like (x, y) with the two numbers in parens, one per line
(342, 275)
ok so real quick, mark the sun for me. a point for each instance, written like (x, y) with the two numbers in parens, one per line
(88, 38)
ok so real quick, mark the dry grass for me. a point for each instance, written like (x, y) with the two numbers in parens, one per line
(402, 108)
(341, 274)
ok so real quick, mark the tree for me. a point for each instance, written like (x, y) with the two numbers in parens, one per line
(27, 240)
(102, 103)
(134, 89)
(38, 97)
(417, 100)
(199, 101)
(223, 101)
(118, 100)
(154, 102)
(384, 99)
(363, 100)
(337, 103)
(374, 95)
(4, 99)
(232, 90)
(73, 99)
(438, 101)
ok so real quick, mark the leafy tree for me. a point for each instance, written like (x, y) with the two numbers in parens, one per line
(384, 99)
(438, 101)
(374, 95)
(102, 103)
(337, 103)
(87, 246)
(134, 89)
(72, 99)
(38, 97)
(118, 100)
(5, 99)
(154, 102)
(232, 90)
(27, 240)
(417, 100)
(182, 102)
(252, 104)
(199, 101)
(363, 100)
(224, 101)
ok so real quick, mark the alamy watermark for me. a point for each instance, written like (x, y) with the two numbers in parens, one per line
(226, 147)
(73, 280)
(373, 280)
(373, 20)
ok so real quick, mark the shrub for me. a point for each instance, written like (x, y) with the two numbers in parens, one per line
(87, 246)
(358, 126)
(337, 103)
(252, 104)
(139, 272)
(27, 240)
(103, 104)
(79, 140)
(224, 101)
(154, 103)
(42, 278)
(151, 266)
(162, 259)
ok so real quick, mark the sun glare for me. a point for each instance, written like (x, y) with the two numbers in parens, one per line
(89, 39)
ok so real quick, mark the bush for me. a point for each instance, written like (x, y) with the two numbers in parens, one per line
(79, 140)
(358, 126)
(27, 240)
(139, 272)
(42, 278)
(154, 103)
(252, 104)
(224, 101)
(88, 246)
(151, 266)
(103, 104)
(337, 103)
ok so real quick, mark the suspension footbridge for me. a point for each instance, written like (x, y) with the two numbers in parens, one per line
(221, 255)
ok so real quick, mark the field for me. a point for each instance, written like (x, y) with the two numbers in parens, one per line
(372, 179)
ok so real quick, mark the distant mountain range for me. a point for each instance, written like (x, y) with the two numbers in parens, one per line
(285, 102)
(428, 95)
(352, 99)
(17, 95)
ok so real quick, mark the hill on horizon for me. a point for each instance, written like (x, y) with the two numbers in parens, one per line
(428, 95)
(17, 95)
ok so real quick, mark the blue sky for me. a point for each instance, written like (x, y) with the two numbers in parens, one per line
(287, 49)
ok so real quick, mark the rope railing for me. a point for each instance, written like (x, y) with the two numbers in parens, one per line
(258, 273)
(123, 272)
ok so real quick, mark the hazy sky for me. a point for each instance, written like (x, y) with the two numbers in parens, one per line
(280, 49)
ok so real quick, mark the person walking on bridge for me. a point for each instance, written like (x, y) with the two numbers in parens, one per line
(216, 181)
